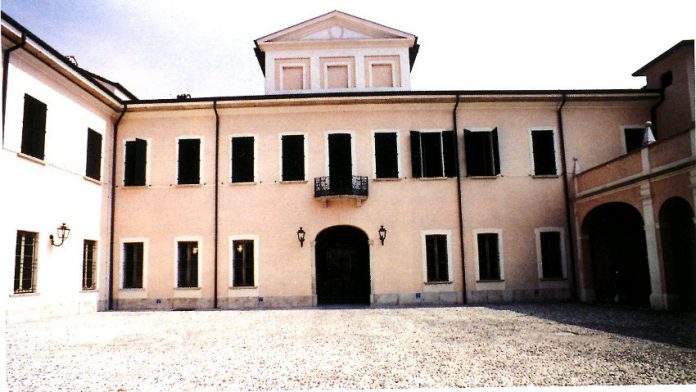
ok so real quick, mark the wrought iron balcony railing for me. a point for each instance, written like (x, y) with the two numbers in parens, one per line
(353, 186)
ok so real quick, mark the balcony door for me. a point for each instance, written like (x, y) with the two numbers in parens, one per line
(340, 160)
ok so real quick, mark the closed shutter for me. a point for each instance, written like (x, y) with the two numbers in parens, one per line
(34, 127)
(489, 256)
(544, 153)
(94, 157)
(293, 157)
(416, 161)
(243, 159)
(386, 155)
(189, 161)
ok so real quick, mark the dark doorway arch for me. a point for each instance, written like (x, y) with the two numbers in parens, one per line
(679, 250)
(618, 254)
(342, 266)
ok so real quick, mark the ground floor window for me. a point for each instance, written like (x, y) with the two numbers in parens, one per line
(243, 263)
(187, 264)
(25, 262)
(133, 265)
(489, 257)
(89, 265)
(550, 253)
(437, 258)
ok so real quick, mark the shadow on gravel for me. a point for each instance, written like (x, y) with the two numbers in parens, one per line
(678, 329)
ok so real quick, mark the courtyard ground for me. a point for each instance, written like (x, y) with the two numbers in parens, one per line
(353, 348)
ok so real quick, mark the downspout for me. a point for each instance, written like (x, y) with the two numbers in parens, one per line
(113, 208)
(5, 74)
(217, 185)
(653, 112)
(566, 195)
(459, 198)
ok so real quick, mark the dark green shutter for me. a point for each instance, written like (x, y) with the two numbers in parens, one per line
(386, 155)
(496, 152)
(189, 161)
(94, 149)
(34, 127)
(243, 159)
(416, 161)
(292, 157)
(449, 154)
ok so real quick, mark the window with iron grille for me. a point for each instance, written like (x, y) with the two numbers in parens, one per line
(94, 154)
(482, 156)
(187, 264)
(551, 256)
(243, 159)
(34, 127)
(293, 158)
(488, 256)
(25, 262)
(433, 154)
(133, 265)
(386, 155)
(89, 265)
(633, 137)
(437, 257)
(189, 163)
(544, 152)
(136, 163)
(243, 263)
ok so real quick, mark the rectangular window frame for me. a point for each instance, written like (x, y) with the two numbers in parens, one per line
(497, 164)
(123, 242)
(424, 256)
(393, 61)
(350, 69)
(448, 167)
(353, 157)
(244, 237)
(33, 138)
(624, 141)
(201, 148)
(305, 76)
(399, 171)
(148, 153)
(199, 273)
(564, 261)
(256, 160)
(556, 154)
(93, 165)
(280, 157)
(501, 255)
(90, 268)
(19, 274)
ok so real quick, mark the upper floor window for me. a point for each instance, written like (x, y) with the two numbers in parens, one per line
(89, 265)
(25, 262)
(633, 138)
(34, 127)
(133, 265)
(243, 159)
(666, 79)
(187, 264)
(433, 154)
(136, 160)
(386, 155)
(482, 156)
(293, 157)
(437, 258)
(544, 153)
(94, 155)
(189, 162)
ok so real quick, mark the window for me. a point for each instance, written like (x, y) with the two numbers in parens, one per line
(293, 158)
(386, 155)
(189, 164)
(136, 160)
(187, 264)
(94, 155)
(481, 148)
(89, 265)
(133, 265)
(488, 248)
(243, 263)
(34, 127)
(437, 258)
(433, 154)
(633, 138)
(243, 159)
(544, 152)
(549, 248)
(25, 262)
(666, 79)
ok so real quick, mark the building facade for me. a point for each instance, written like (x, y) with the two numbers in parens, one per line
(340, 185)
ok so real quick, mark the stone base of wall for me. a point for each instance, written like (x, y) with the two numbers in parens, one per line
(410, 299)
(23, 309)
(517, 296)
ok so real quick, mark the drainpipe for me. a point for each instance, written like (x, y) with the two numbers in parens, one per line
(653, 111)
(566, 195)
(5, 74)
(217, 185)
(113, 209)
(459, 197)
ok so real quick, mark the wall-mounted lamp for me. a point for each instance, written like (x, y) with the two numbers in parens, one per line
(300, 236)
(63, 233)
(382, 234)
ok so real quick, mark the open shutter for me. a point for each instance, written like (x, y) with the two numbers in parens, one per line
(94, 149)
(140, 162)
(469, 148)
(34, 127)
(416, 161)
(496, 153)
(449, 154)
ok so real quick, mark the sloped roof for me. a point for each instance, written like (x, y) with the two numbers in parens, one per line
(668, 52)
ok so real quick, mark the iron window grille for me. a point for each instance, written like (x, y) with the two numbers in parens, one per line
(89, 265)
(25, 263)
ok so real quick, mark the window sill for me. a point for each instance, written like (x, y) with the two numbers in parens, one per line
(387, 179)
(92, 180)
(31, 158)
(553, 279)
(484, 177)
(431, 178)
(293, 182)
(16, 295)
(545, 175)
(243, 287)
(134, 186)
(242, 183)
(491, 281)
(437, 283)
(188, 185)
(88, 291)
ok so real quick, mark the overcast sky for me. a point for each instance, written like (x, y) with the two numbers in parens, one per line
(160, 48)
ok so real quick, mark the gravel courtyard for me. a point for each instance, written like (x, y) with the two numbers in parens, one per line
(353, 348)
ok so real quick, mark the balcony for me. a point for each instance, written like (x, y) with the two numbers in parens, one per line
(353, 187)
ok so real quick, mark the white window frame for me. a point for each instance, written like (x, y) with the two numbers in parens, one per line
(398, 154)
(556, 153)
(256, 160)
(537, 235)
(201, 159)
(622, 134)
(191, 238)
(280, 156)
(332, 63)
(136, 292)
(251, 237)
(293, 65)
(353, 157)
(393, 64)
(501, 255)
(148, 159)
(424, 255)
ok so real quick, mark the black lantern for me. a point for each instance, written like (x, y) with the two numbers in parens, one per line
(382, 234)
(63, 233)
(300, 236)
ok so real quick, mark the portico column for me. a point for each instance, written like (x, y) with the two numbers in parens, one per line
(658, 299)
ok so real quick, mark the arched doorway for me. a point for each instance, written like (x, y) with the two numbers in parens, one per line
(342, 266)
(679, 250)
(619, 260)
